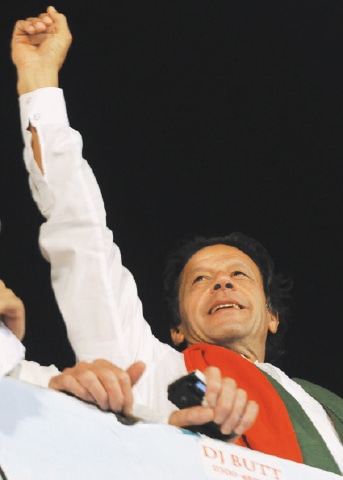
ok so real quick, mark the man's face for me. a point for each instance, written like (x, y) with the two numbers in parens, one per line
(222, 302)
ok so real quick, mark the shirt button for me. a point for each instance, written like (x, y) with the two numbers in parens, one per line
(28, 100)
(36, 116)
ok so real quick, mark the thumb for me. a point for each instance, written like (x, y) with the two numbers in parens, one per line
(135, 371)
(52, 12)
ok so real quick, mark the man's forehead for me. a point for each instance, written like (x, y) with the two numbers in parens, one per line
(219, 254)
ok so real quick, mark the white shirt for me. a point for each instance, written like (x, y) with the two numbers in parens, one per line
(96, 294)
(12, 351)
(13, 363)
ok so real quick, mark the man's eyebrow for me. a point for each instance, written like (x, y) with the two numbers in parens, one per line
(233, 264)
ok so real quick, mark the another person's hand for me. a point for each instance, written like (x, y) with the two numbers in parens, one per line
(39, 47)
(12, 311)
(100, 382)
(227, 405)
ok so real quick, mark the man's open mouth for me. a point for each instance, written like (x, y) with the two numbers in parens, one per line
(225, 305)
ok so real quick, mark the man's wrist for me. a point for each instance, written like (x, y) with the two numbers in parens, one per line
(30, 80)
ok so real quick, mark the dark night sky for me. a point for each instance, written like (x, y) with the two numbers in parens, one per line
(197, 116)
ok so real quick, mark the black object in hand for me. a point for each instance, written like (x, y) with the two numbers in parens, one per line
(189, 391)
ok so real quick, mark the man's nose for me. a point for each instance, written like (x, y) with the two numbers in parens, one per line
(218, 286)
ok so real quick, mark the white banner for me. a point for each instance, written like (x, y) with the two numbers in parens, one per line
(47, 435)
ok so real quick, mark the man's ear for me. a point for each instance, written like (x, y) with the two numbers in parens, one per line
(273, 322)
(177, 335)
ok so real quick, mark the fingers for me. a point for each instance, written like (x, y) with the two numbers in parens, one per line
(191, 416)
(116, 391)
(224, 404)
(100, 382)
(94, 383)
(232, 409)
(66, 382)
(213, 385)
(34, 25)
(39, 24)
(247, 420)
(235, 417)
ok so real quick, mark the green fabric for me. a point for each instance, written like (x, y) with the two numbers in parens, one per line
(314, 450)
(332, 403)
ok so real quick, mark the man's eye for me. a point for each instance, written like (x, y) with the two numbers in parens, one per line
(198, 279)
(238, 273)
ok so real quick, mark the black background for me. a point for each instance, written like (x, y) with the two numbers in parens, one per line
(197, 116)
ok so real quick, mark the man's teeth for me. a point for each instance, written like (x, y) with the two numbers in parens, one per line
(225, 305)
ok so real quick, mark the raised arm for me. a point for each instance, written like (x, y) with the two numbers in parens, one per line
(96, 295)
(39, 48)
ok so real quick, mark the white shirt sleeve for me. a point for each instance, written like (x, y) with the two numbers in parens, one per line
(12, 351)
(96, 294)
(13, 364)
(32, 372)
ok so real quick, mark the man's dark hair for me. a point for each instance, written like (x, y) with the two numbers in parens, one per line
(276, 286)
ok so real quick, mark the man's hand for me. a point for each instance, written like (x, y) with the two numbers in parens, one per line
(101, 383)
(227, 405)
(39, 47)
(12, 311)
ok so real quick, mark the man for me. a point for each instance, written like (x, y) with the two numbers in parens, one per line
(38, 58)
(225, 307)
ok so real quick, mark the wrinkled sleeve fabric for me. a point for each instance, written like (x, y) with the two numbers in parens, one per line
(33, 372)
(96, 294)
